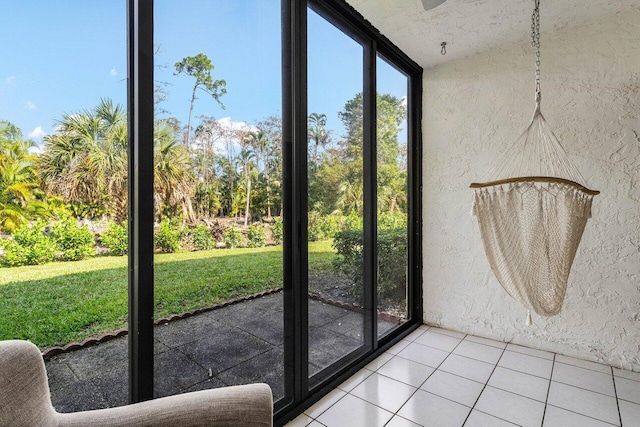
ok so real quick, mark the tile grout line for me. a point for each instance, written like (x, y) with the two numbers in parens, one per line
(485, 386)
(418, 388)
(582, 367)
(546, 400)
(615, 391)
(376, 372)
(373, 372)
(554, 361)
(586, 389)
(582, 415)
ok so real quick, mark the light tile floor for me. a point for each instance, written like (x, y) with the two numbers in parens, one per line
(441, 378)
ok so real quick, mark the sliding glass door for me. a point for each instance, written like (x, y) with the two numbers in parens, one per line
(392, 196)
(63, 193)
(250, 167)
(217, 181)
(336, 188)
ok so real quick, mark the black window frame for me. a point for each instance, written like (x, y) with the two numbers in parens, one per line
(300, 391)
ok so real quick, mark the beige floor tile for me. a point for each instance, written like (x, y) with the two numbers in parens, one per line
(520, 383)
(453, 387)
(511, 407)
(354, 412)
(469, 368)
(422, 354)
(589, 403)
(406, 371)
(431, 410)
(384, 392)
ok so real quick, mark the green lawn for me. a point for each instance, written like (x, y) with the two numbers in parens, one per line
(58, 303)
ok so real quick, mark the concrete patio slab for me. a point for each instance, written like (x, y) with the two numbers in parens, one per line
(237, 344)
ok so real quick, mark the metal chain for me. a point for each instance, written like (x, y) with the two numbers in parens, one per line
(535, 42)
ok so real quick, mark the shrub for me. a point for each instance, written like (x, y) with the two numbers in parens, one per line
(353, 221)
(277, 231)
(323, 227)
(256, 236)
(74, 242)
(329, 225)
(392, 259)
(30, 246)
(116, 238)
(388, 220)
(348, 260)
(201, 238)
(232, 238)
(168, 236)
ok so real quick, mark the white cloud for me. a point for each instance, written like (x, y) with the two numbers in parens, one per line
(37, 133)
(11, 80)
(227, 135)
(229, 124)
(113, 72)
(36, 149)
(30, 105)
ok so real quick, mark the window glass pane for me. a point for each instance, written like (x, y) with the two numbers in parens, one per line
(218, 197)
(335, 171)
(391, 105)
(63, 193)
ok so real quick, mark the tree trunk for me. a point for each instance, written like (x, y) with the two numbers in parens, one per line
(193, 100)
(266, 172)
(246, 210)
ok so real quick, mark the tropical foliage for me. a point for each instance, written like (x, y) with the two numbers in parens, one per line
(85, 160)
(29, 246)
(202, 172)
(21, 198)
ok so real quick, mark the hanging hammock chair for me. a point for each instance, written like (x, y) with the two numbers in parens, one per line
(532, 211)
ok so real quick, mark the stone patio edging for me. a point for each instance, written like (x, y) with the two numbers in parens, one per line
(89, 342)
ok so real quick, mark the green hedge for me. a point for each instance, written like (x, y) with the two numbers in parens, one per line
(29, 246)
(169, 236)
(392, 259)
(232, 238)
(73, 242)
(201, 238)
(116, 238)
(256, 236)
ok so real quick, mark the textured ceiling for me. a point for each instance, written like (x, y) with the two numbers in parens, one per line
(474, 26)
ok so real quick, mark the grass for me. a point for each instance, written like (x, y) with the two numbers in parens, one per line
(58, 303)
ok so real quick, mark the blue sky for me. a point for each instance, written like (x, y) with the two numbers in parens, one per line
(62, 56)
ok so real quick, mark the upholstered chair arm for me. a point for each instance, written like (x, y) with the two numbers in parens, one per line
(246, 406)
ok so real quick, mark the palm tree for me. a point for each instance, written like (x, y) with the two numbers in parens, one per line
(351, 198)
(245, 161)
(318, 134)
(173, 177)
(20, 195)
(85, 160)
(261, 144)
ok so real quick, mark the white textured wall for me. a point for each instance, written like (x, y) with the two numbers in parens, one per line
(473, 109)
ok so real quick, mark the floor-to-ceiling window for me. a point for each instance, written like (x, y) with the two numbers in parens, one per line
(351, 125)
(392, 86)
(63, 191)
(335, 188)
(251, 167)
(217, 129)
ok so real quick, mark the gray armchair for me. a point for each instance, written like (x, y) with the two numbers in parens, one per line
(25, 401)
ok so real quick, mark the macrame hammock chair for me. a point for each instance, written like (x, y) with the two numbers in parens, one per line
(532, 211)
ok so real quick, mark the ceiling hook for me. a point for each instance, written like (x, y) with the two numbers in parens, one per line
(444, 48)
